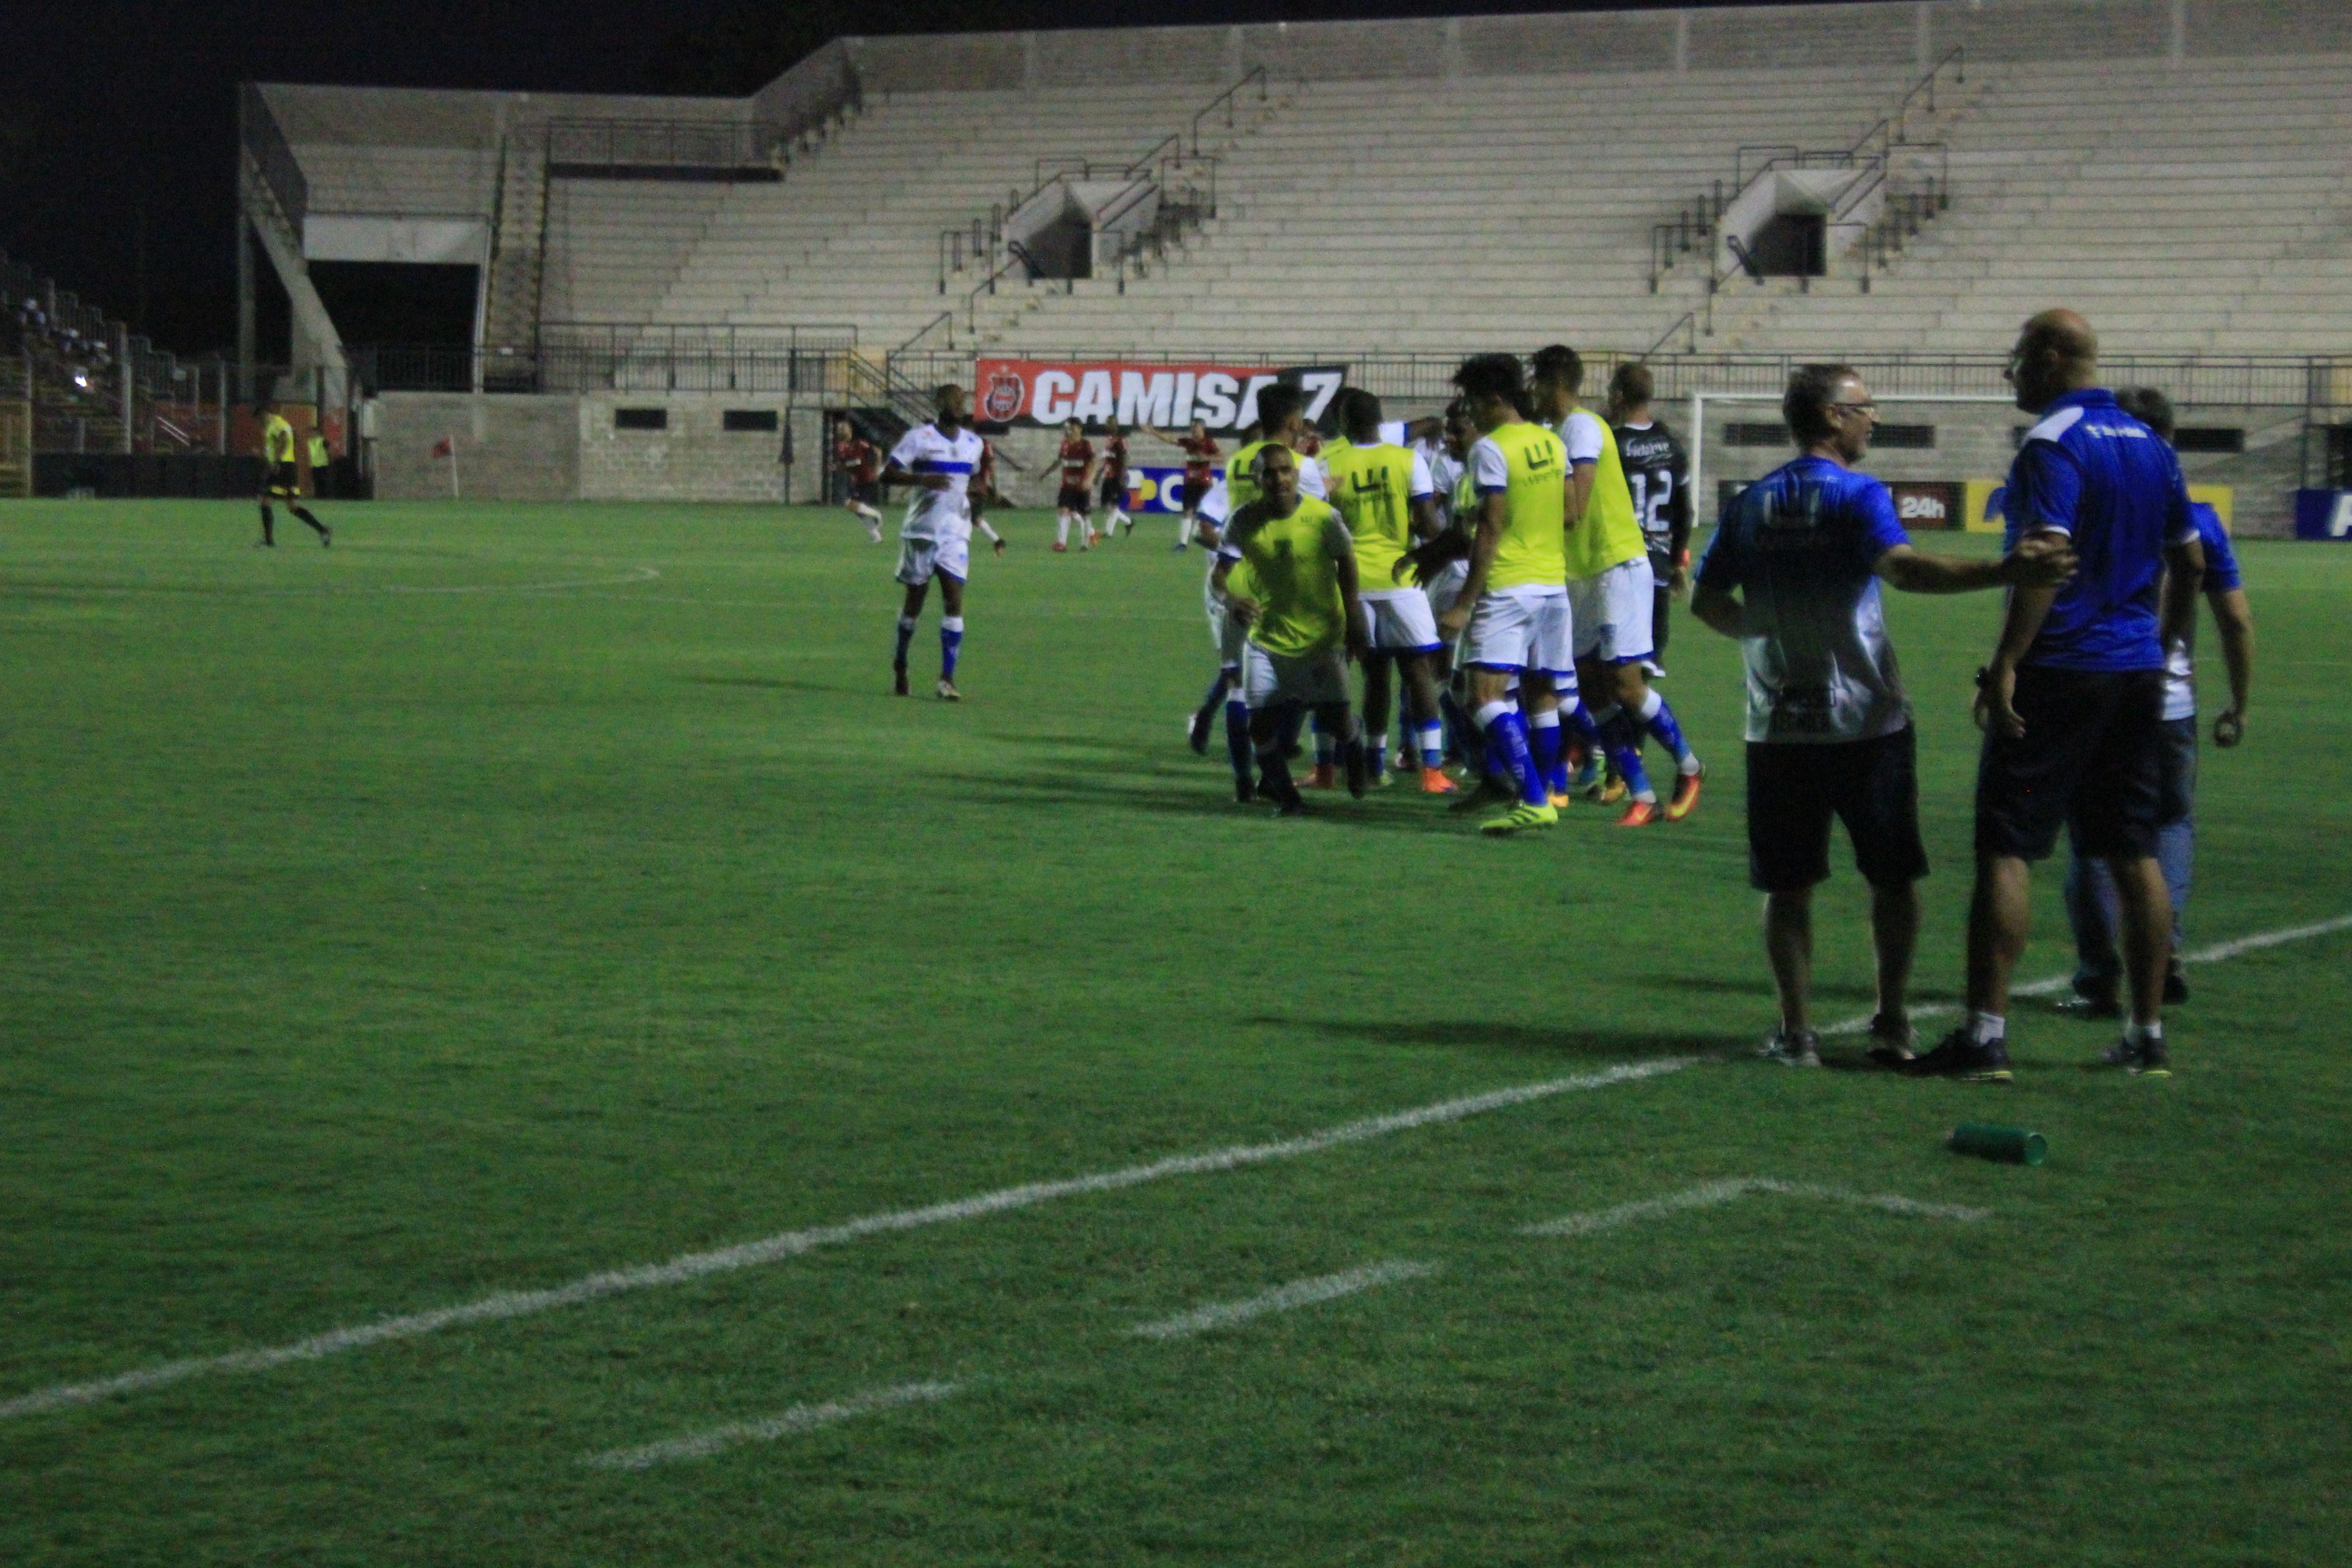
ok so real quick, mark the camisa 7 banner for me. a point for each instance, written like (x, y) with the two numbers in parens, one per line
(1098, 392)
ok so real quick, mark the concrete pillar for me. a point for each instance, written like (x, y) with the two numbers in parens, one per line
(1452, 65)
(129, 384)
(2179, 50)
(1682, 43)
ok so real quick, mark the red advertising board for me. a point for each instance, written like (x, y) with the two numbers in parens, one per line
(1097, 392)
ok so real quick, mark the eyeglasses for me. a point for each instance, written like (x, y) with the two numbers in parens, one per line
(1869, 408)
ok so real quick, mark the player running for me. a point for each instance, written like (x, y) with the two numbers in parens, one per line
(1658, 475)
(861, 462)
(938, 461)
(1514, 598)
(1112, 483)
(1078, 460)
(1298, 603)
(1387, 496)
(1613, 593)
(282, 479)
(1199, 449)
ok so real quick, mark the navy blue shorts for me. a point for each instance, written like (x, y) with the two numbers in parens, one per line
(2092, 756)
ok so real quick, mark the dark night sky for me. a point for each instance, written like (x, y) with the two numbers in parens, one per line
(117, 119)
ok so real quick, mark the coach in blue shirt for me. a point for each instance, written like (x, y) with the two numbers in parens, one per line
(2074, 694)
(1829, 726)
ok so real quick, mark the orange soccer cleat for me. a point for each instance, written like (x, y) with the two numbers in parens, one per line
(1435, 782)
(1641, 814)
(1685, 796)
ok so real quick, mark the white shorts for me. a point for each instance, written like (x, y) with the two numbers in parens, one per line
(1446, 587)
(1230, 635)
(1398, 620)
(1272, 679)
(918, 558)
(1612, 612)
(1522, 628)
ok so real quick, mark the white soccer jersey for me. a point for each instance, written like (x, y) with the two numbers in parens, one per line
(1583, 434)
(1444, 474)
(939, 514)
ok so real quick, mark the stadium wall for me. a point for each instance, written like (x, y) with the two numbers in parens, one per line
(520, 447)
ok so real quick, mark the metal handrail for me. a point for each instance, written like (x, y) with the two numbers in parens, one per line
(654, 144)
(1255, 73)
(947, 317)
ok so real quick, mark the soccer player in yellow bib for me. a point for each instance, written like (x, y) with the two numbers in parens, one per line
(1299, 605)
(1614, 594)
(1514, 601)
(281, 477)
(1387, 496)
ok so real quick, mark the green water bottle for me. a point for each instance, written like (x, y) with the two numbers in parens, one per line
(1991, 1140)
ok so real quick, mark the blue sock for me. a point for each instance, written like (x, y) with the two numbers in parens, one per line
(1586, 732)
(906, 640)
(1462, 729)
(1624, 744)
(1507, 733)
(1433, 744)
(1237, 737)
(1659, 721)
(1543, 742)
(1225, 681)
(1376, 756)
(951, 641)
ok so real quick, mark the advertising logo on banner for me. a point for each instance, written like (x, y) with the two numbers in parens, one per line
(1929, 504)
(1097, 392)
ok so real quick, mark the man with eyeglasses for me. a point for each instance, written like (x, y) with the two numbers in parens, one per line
(1828, 727)
(2073, 698)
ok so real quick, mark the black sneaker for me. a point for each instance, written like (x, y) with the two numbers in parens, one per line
(2148, 1059)
(1357, 766)
(1891, 1043)
(1197, 732)
(2092, 1006)
(1244, 791)
(1961, 1058)
(1285, 795)
(2175, 985)
(899, 686)
(1800, 1049)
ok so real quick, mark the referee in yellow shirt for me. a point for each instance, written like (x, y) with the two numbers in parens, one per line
(281, 477)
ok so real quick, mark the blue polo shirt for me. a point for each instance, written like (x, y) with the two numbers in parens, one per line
(1799, 545)
(2093, 472)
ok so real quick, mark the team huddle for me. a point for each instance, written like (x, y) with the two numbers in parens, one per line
(1499, 577)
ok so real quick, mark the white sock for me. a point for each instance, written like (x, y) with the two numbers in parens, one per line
(1490, 711)
(1987, 1029)
(2144, 1033)
(1062, 529)
(1650, 703)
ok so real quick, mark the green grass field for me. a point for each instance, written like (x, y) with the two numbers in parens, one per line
(513, 894)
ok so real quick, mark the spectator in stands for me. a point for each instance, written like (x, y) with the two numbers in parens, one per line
(2074, 694)
(2090, 889)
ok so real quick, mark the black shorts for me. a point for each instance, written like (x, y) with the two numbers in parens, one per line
(1795, 788)
(866, 494)
(281, 481)
(1196, 487)
(1114, 491)
(1072, 499)
(2092, 754)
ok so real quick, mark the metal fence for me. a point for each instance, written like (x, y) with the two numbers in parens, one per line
(658, 144)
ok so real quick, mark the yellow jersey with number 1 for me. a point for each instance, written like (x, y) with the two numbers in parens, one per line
(1533, 552)
(1608, 533)
(1373, 487)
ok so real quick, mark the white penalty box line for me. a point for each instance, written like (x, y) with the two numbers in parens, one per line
(1299, 1293)
(504, 1305)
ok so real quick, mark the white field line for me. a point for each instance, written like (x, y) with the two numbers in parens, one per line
(1710, 1193)
(692, 1266)
(2050, 986)
(799, 1418)
(1284, 1299)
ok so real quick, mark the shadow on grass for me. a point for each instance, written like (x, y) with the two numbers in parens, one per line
(1761, 984)
(1197, 792)
(1522, 1039)
(772, 683)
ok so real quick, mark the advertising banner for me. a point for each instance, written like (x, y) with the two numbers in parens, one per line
(1170, 397)
(1984, 514)
(1930, 504)
(2323, 514)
